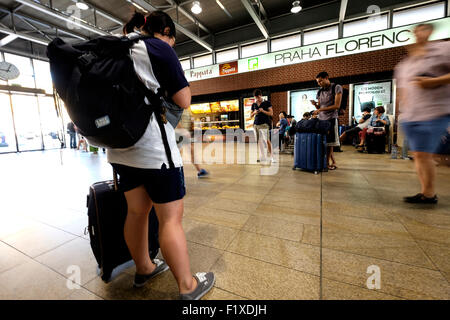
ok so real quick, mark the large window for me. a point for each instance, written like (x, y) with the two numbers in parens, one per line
(374, 23)
(202, 61)
(43, 76)
(7, 135)
(28, 124)
(185, 64)
(254, 49)
(26, 78)
(321, 35)
(419, 14)
(286, 42)
(227, 55)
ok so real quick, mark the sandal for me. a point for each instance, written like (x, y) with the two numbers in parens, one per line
(332, 167)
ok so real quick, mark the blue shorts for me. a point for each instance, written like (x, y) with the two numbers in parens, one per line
(426, 136)
(162, 185)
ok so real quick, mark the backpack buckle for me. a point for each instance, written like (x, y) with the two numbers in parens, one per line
(87, 58)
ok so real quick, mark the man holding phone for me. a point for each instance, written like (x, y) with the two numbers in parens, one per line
(329, 101)
(262, 112)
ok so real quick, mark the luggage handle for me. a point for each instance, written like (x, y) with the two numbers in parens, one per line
(116, 186)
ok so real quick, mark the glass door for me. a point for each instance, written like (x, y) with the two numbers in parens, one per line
(7, 135)
(28, 127)
(51, 124)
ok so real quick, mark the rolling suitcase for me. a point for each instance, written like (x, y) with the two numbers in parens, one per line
(310, 152)
(376, 142)
(107, 211)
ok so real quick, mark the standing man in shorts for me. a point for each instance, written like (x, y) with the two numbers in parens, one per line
(423, 84)
(263, 112)
(327, 107)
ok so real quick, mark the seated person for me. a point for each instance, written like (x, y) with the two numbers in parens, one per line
(378, 120)
(283, 125)
(363, 123)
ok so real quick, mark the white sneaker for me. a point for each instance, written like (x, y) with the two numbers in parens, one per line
(273, 160)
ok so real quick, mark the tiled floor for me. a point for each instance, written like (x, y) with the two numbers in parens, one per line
(291, 235)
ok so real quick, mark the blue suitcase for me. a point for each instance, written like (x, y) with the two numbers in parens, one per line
(310, 152)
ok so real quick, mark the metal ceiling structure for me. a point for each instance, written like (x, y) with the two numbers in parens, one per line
(26, 26)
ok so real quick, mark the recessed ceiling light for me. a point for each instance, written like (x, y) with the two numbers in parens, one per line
(296, 8)
(196, 8)
(82, 6)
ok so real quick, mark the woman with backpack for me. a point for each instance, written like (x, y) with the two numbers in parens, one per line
(145, 174)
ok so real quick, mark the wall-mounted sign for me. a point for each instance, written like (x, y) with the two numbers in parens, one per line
(336, 48)
(228, 68)
(202, 73)
(300, 102)
(371, 95)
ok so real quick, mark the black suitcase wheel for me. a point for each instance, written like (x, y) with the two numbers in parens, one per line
(106, 275)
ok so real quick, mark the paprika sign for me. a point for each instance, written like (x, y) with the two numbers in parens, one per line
(228, 68)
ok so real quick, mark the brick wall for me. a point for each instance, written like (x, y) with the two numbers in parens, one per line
(279, 102)
(375, 62)
(347, 66)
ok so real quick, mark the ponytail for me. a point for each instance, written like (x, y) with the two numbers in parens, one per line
(137, 21)
(157, 22)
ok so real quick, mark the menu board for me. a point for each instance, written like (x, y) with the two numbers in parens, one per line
(215, 107)
(300, 102)
(229, 106)
(200, 108)
(248, 102)
(371, 95)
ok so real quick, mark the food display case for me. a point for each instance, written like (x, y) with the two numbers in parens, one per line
(219, 115)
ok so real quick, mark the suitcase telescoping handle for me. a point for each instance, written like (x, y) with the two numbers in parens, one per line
(116, 186)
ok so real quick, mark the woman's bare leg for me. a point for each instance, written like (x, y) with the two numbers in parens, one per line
(173, 244)
(136, 229)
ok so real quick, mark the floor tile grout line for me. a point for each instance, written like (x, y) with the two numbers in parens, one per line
(235, 294)
(321, 243)
(42, 264)
(426, 254)
(274, 264)
(365, 288)
(421, 249)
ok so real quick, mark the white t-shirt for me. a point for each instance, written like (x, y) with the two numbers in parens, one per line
(148, 152)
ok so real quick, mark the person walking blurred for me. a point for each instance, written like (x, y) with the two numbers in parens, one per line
(423, 81)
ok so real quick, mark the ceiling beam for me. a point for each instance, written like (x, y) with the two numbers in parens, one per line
(204, 44)
(36, 29)
(256, 18)
(60, 16)
(45, 24)
(103, 13)
(187, 15)
(343, 10)
(24, 36)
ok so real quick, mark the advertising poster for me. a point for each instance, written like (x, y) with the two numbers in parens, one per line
(229, 106)
(301, 102)
(371, 95)
(248, 102)
(200, 108)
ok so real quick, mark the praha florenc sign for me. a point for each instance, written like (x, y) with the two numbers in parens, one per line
(379, 40)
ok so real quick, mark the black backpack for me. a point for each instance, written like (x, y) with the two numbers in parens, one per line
(344, 100)
(103, 95)
(313, 126)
